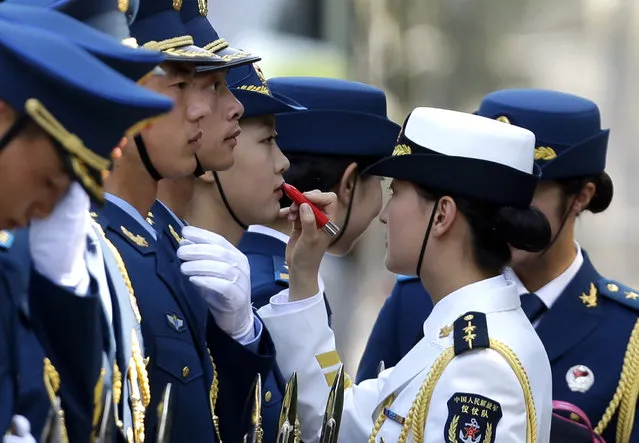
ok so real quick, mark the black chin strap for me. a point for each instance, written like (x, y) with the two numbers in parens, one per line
(226, 202)
(561, 226)
(14, 130)
(348, 215)
(425, 241)
(146, 160)
(199, 170)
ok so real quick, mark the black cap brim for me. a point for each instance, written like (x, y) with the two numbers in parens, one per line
(469, 177)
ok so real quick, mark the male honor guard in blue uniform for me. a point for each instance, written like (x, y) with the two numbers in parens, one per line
(184, 345)
(134, 64)
(588, 323)
(59, 100)
(194, 17)
(346, 121)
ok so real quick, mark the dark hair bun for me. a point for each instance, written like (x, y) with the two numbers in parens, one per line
(526, 229)
(603, 194)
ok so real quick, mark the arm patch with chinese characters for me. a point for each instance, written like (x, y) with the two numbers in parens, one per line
(471, 418)
(470, 332)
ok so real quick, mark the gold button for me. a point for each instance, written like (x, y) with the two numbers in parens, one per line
(612, 287)
(267, 396)
(186, 371)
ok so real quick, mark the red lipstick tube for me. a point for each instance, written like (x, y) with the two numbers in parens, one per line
(322, 220)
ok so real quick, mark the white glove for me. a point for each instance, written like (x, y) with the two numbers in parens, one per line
(58, 243)
(20, 431)
(223, 275)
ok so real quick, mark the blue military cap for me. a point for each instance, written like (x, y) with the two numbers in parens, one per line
(112, 17)
(249, 85)
(194, 14)
(84, 106)
(570, 141)
(343, 118)
(158, 26)
(133, 63)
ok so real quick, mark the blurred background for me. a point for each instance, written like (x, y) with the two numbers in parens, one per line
(449, 53)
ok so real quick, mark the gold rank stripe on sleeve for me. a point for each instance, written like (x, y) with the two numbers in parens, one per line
(328, 359)
(331, 361)
(330, 379)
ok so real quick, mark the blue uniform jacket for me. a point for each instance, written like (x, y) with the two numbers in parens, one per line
(273, 385)
(177, 328)
(42, 326)
(586, 334)
(10, 284)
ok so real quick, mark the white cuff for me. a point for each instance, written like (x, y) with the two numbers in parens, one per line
(280, 304)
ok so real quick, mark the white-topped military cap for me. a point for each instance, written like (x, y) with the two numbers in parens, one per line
(464, 154)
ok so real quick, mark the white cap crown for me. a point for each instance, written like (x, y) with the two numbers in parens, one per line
(461, 134)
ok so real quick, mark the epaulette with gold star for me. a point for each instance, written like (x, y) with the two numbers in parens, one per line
(470, 331)
(620, 293)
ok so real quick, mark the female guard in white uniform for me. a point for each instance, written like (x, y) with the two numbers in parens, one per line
(462, 185)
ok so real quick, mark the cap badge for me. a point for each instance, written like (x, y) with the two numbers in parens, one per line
(402, 149)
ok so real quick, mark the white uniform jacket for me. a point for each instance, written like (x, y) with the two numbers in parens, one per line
(477, 394)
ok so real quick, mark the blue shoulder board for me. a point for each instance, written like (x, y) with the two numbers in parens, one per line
(6, 239)
(470, 331)
(401, 277)
(280, 270)
(620, 293)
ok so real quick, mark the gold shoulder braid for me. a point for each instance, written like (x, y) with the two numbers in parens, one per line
(137, 409)
(140, 389)
(117, 384)
(52, 383)
(125, 274)
(117, 395)
(213, 393)
(138, 376)
(140, 367)
(469, 337)
(625, 397)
